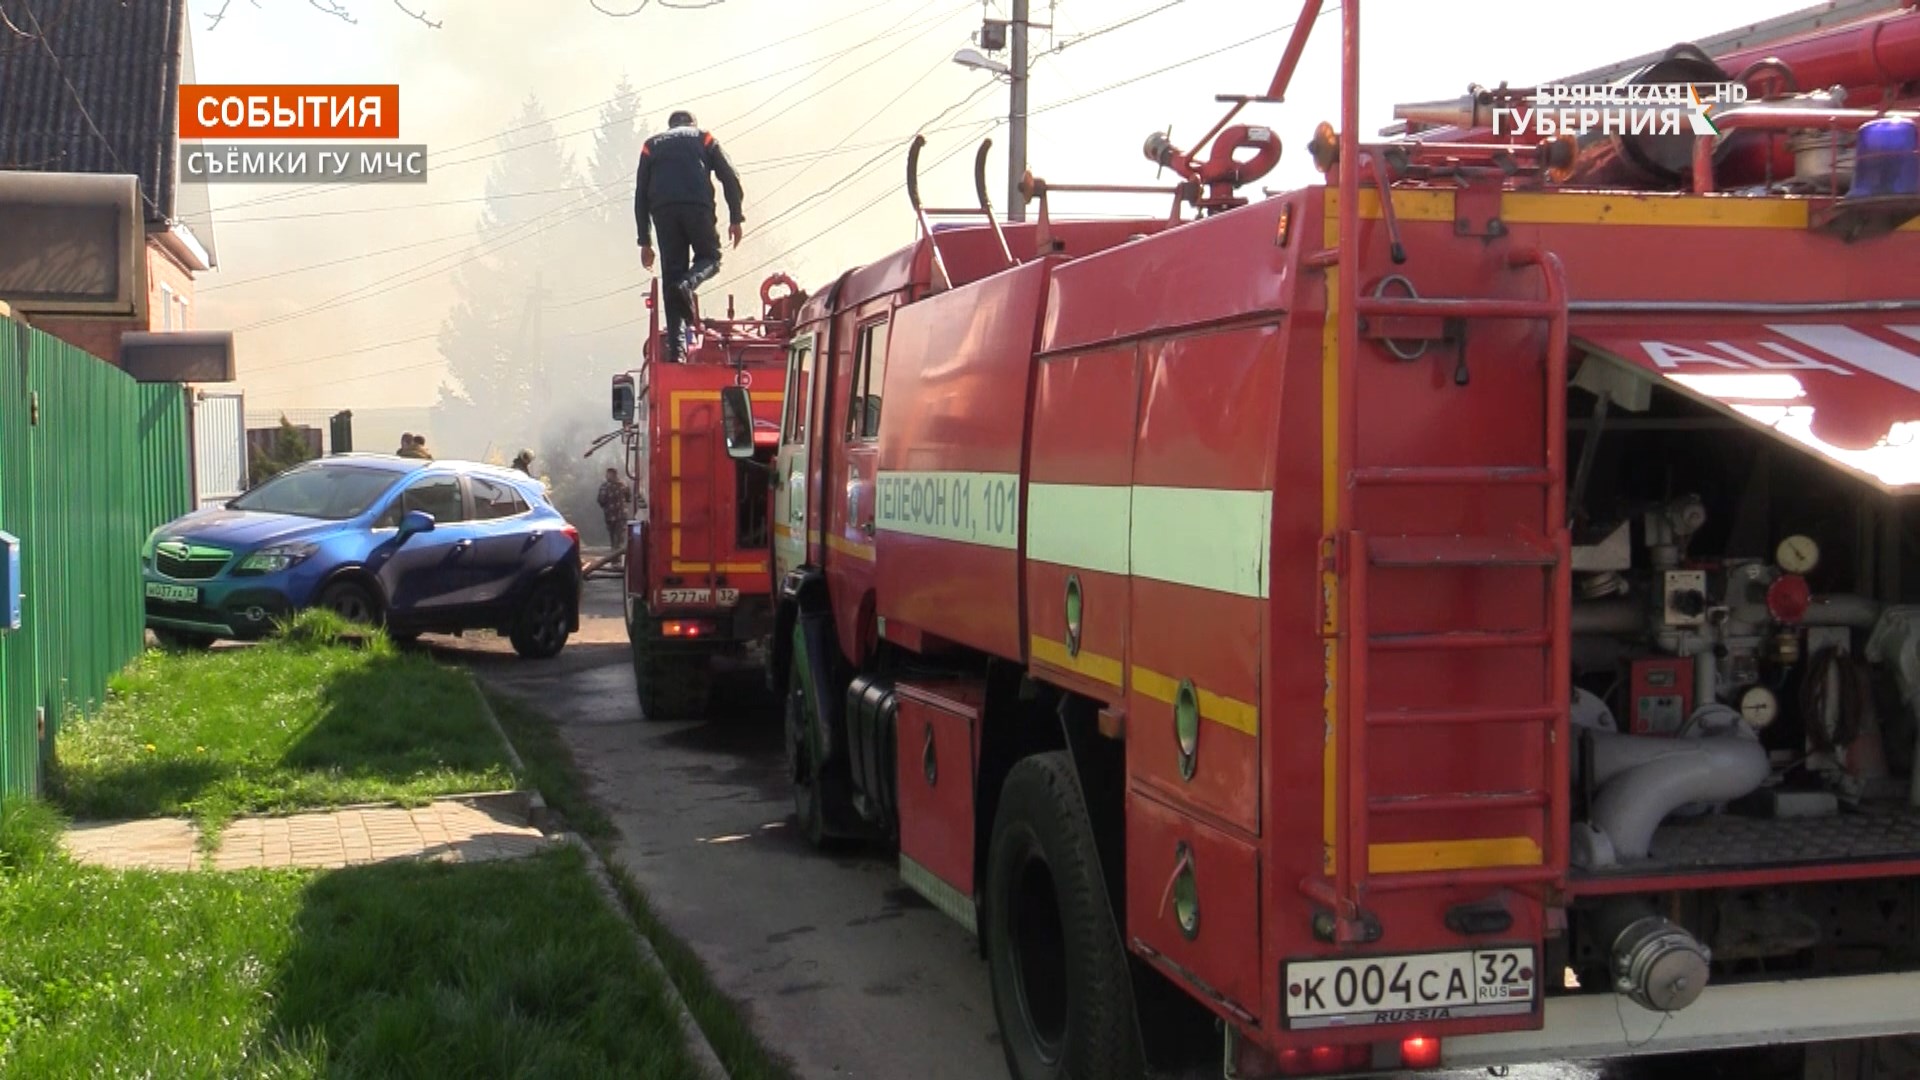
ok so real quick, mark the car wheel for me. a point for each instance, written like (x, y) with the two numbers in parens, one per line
(183, 641)
(541, 630)
(352, 602)
(1060, 980)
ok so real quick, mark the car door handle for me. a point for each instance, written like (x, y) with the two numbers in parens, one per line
(461, 547)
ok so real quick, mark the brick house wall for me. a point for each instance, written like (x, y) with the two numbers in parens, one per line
(169, 307)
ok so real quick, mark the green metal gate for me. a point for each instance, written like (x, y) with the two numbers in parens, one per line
(90, 462)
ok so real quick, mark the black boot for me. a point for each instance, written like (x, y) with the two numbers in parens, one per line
(698, 274)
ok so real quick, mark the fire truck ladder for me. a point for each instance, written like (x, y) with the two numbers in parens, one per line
(1355, 554)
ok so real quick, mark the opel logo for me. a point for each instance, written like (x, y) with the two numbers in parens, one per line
(173, 549)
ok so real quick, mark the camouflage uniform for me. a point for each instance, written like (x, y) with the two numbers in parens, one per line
(613, 501)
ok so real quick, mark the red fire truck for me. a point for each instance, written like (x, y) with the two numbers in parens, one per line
(697, 576)
(1460, 613)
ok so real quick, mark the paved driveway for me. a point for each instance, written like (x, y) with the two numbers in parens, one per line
(839, 966)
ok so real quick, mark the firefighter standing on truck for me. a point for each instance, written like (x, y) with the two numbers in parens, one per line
(673, 194)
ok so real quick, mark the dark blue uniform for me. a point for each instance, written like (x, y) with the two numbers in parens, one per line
(673, 194)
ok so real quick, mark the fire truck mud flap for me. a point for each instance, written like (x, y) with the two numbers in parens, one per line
(1846, 391)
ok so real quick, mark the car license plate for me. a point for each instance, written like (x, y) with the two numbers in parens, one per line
(700, 596)
(1410, 989)
(179, 594)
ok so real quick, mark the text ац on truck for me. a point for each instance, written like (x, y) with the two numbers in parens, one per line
(1465, 612)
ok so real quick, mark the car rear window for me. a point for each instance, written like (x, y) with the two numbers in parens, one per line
(330, 493)
(493, 500)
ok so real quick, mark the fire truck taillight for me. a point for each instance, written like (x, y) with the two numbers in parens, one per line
(1420, 1052)
(685, 628)
(1325, 1060)
(1284, 229)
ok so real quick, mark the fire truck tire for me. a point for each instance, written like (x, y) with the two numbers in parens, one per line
(803, 764)
(819, 789)
(673, 686)
(1061, 987)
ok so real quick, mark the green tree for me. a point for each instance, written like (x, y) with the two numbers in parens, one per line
(290, 447)
(504, 353)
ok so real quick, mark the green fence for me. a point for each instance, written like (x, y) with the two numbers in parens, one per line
(90, 462)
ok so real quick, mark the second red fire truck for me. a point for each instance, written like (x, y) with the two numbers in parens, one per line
(697, 575)
(1459, 613)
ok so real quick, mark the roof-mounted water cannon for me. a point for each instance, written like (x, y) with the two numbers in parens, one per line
(1210, 183)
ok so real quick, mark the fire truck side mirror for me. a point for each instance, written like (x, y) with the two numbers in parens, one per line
(736, 421)
(623, 400)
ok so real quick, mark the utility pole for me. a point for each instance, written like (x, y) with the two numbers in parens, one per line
(1017, 116)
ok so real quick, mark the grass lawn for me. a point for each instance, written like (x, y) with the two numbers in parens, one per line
(304, 721)
(404, 969)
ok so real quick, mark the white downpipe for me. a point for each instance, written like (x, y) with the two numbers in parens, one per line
(1645, 778)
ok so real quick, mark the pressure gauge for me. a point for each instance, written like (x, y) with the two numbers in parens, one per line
(1798, 555)
(1759, 707)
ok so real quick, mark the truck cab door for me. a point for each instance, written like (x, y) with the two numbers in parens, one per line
(790, 465)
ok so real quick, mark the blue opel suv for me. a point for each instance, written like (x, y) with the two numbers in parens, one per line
(412, 546)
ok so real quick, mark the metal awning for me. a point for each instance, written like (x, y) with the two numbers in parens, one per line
(1846, 390)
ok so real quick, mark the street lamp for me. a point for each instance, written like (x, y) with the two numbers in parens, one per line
(1016, 75)
(971, 58)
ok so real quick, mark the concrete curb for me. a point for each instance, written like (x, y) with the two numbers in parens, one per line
(705, 1060)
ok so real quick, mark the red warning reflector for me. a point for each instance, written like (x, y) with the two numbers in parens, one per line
(1420, 1052)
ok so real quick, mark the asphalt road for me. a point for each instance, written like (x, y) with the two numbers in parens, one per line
(839, 966)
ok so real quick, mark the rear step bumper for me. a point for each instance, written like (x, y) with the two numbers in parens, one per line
(1588, 1026)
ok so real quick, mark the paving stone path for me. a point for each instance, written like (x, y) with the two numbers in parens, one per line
(446, 830)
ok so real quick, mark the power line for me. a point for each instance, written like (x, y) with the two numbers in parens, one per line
(856, 174)
(1157, 72)
(1111, 27)
(757, 80)
(349, 298)
(668, 81)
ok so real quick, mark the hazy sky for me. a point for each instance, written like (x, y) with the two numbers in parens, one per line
(464, 83)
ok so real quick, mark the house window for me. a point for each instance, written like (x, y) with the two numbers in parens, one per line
(166, 307)
(180, 319)
(869, 373)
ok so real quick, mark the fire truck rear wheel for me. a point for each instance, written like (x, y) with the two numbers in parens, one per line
(1059, 974)
(803, 764)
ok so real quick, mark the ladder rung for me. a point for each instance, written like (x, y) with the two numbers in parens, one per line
(1477, 800)
(1458, 474)
(1459, 551)
(1443, 717)
(1457, 641)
